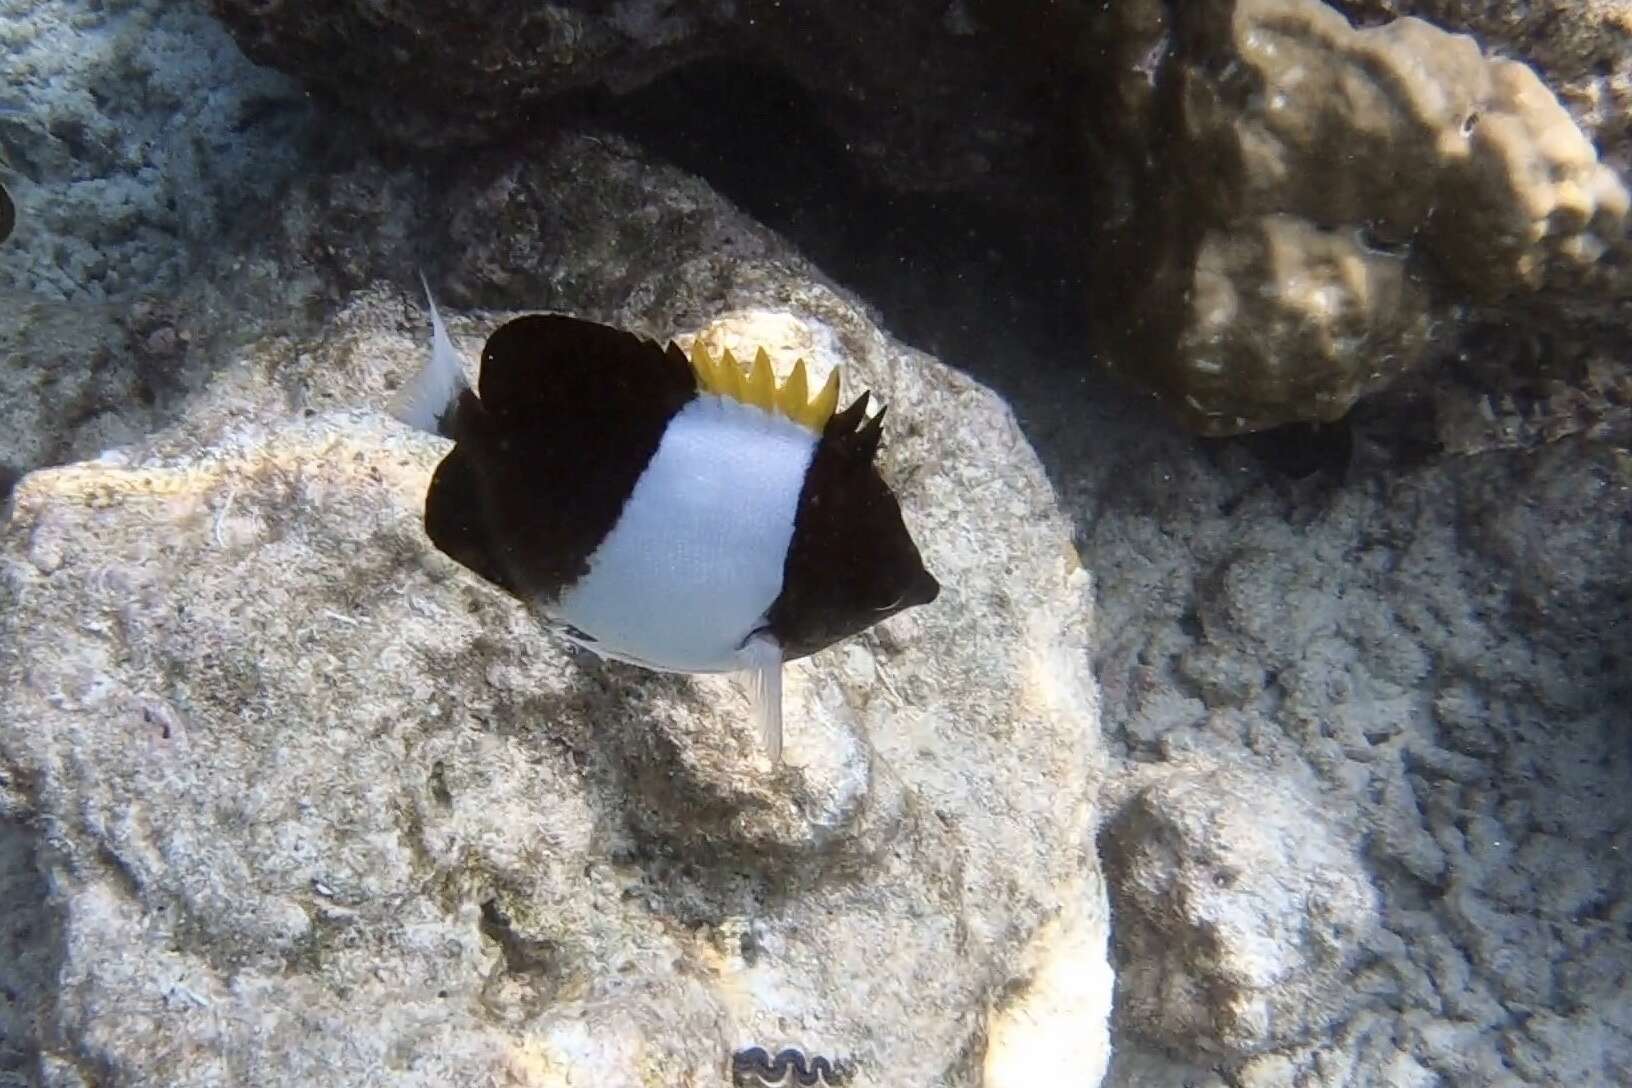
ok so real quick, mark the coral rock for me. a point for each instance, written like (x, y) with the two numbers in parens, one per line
(1414, 169)
(1241, 911)
(318, 804)
(1278, 307)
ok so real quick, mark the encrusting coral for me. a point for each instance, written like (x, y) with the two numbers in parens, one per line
(1355, 178)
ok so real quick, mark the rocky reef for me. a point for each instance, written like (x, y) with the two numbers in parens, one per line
(1434, 662)
(134, 134)
(1360, 183)
(887, 78)
(304, 776)
(1332, 689)
(1242, 908)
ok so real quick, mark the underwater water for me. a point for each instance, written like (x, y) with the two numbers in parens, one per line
(1210, 670)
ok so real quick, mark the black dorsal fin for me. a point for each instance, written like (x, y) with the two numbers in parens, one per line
(844, 424)
(870, 434)
(534, 364)
(570, 412)
(855, 434)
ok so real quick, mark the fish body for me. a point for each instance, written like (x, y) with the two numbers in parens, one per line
(675, 513)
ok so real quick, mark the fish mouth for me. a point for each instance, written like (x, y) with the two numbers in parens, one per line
(924, 590)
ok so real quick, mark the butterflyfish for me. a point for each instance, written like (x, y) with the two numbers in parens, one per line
(677, 512)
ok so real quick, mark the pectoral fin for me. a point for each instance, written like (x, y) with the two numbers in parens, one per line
(762, 660)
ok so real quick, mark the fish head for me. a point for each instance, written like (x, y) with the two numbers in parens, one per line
(853, 562)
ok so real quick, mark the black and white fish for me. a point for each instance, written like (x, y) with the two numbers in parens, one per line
(675, 513)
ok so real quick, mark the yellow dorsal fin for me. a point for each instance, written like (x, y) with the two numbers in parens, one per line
(760, 390)
(794, 396)
(724, 377)
(824, 404)
(703, 367)
(729, 374)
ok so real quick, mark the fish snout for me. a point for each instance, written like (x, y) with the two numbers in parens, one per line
(924, 589)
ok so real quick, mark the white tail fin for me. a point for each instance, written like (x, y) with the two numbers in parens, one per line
(428, 401)
(762, 658)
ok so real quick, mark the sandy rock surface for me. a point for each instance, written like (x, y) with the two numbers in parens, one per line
(1438, 657)
(135, 133)
(1243, 909)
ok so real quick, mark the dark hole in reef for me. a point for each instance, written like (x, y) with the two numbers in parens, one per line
(262, 109)
(1375, 239)
(74, 136)
(948, 271)
(439, 784)
(9, 475)
(522, 956)
(1297, 450)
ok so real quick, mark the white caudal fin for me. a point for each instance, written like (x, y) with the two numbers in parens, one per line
(428, 402)
(762, 659)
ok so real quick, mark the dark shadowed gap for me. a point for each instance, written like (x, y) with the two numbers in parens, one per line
(31, 951)
(949, 274)
(1000, 294)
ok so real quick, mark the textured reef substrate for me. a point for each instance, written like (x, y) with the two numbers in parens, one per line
(1352, 752)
